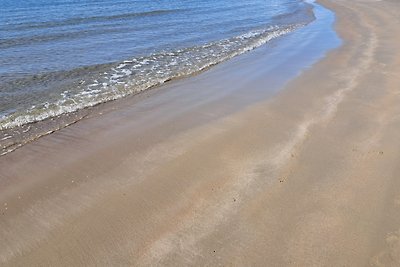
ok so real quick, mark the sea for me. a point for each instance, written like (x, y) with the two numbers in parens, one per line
(58, 57)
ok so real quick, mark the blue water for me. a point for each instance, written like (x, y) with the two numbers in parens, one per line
(59, 56)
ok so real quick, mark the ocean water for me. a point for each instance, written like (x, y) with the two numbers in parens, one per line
(61, 56)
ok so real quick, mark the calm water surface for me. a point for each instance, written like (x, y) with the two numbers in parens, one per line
(59, 56)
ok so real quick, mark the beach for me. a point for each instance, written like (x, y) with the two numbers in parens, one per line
(302, 174)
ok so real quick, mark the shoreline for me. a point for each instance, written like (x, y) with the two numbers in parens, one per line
(15, 138)
(75, 84)
(304, 176)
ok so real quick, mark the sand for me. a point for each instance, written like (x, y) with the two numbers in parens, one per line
(307, 177)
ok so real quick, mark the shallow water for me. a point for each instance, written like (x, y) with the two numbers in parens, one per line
(58, 56)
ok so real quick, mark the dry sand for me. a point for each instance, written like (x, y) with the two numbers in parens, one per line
(310, 177)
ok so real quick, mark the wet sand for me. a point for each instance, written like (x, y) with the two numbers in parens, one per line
(306, 177)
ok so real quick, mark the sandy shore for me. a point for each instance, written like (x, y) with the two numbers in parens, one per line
(308, 177)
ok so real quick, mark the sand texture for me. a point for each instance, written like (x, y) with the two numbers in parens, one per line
(308, 177)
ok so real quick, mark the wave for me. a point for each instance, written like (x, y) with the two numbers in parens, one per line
(68, 35)
(82, 20)
(141, 73)
(6, 43)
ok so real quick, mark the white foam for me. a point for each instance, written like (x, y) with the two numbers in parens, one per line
(146, 73)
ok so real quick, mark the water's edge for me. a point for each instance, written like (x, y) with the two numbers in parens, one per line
(18, 135)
